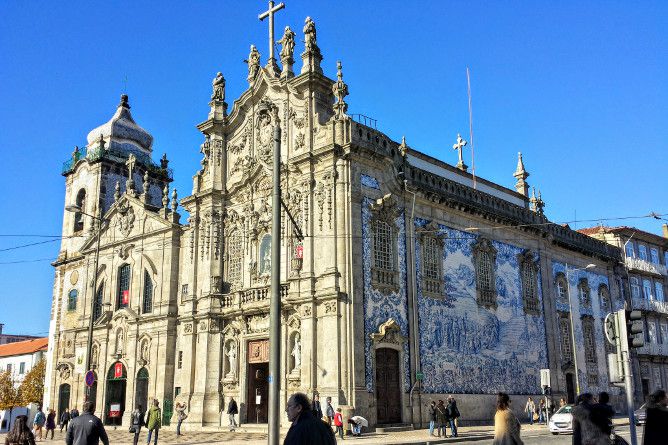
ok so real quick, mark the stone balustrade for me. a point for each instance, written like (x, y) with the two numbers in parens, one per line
(239, 299)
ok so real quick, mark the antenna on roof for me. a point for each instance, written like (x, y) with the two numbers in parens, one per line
(468, 82)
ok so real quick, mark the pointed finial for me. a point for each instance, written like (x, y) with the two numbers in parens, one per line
(521, 175)
(340, 90)
(403, 148)
(146, 184)
(175, 202)
(117, 191)
(124, 101)
(165, 196)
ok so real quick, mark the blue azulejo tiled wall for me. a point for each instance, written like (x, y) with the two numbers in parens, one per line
(379, 307)
(596, 311)
(467, 349)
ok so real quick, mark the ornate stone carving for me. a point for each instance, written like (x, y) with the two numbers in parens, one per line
(253, 64)
(126, 218)
(300, 141)
(202, 326)
(330, 307)
(266, 120)
(306, 310)
(389, 332)
(258, 323)
(287, 43)
(218, 85)
(188, 328)
(64, 371)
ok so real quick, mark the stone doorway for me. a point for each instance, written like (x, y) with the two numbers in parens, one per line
(115, 398)
(257, 397)
(570, 388)
(388, 390)
(63, 398)
(141, 389)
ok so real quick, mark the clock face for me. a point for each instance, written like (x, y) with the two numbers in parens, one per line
(74, 277)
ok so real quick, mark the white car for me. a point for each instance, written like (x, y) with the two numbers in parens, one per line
(562, 420)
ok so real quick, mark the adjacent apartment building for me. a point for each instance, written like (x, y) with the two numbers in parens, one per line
(19, 357)
(646, 261)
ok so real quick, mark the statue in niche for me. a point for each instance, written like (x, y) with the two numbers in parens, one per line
(310, 35)
(218, 87)
(287, 43)
(120, 340)
(232, 359)
(265, 255)
(253, 63)
(144, 351)
(297, 354)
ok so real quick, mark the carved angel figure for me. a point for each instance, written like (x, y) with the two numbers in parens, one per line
(232, 359)
(287, 43)
(218, 87)
(253, 63)
(297, 354)
(310, 35)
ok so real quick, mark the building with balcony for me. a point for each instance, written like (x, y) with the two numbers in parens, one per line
(646, 282)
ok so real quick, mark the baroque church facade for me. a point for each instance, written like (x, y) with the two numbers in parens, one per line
(403, 278)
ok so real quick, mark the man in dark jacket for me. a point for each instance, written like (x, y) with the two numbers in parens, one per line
(306, 429)
(602, 413)
(232, 410)
(86, 429)
(656, 423)
(317, 409)
(453, 414)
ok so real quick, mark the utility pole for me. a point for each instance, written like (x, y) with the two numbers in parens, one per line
(275, 303)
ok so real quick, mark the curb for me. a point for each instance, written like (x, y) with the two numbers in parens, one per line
(447, 440)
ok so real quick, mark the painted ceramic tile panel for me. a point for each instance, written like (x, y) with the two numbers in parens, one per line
(466, 348)
(379, 307)
(369, 181)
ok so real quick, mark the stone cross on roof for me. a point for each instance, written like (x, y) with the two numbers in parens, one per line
(271, 63)
(459, 146)
(130, 183)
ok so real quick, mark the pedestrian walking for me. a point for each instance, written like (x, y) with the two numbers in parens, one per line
(50, 423)
(317, 410)
(586, 430)
(603, 413)
(506, 426)
(330, 412)
(64, 419)
(20, 433)
(432, 417)
(153, 422)
(305, 428)
(74, 413)
(656, 421)
(180, 416)
(136, 422)
(86, 429)
(232, 410)
(338, 422)
(541, 411)
(530, 409)
(38, 422)
(441, 418)
(453, 415)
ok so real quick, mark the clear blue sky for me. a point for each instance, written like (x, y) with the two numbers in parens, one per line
(579, 87)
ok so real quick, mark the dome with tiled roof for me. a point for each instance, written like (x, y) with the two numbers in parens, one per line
(121, 133)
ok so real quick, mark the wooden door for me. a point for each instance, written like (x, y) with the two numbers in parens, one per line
(258, 391)
(388, 386)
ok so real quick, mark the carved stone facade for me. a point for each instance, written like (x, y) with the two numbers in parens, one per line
(377, 263)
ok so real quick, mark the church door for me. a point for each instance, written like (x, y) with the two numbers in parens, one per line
(141, 389)
(115, 398)
(570, 388)
(257, 403)
(388, 390)
(63, 398)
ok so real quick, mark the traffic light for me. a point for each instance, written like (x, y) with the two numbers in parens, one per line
(635, 329)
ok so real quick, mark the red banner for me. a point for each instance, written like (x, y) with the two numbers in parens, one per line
(126, 297)
(299, 251)
(118, 370)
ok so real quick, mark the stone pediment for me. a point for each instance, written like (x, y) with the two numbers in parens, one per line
(126, 218)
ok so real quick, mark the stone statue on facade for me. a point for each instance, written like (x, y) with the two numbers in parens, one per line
(253, 63)
(297, 354)
(287, 43)
(310, 43)
(218, 87)
(232, 360)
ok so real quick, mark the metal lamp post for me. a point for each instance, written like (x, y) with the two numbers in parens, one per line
(89, 348)
(570, 310)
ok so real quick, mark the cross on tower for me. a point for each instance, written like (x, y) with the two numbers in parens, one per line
(130, 163)
(459, 146)
(270, 13)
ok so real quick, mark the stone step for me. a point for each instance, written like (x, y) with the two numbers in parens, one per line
(394, 428)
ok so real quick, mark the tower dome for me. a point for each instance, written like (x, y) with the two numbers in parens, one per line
(121, 133)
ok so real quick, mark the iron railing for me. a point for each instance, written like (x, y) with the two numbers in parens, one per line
(98, 153)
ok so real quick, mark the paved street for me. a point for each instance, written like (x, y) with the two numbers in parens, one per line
(531, 435)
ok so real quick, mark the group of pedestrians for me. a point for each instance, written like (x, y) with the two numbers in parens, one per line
(441, 416)
(152, 420)
(536, 412)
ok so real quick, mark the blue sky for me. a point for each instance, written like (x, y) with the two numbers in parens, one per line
(578, 87)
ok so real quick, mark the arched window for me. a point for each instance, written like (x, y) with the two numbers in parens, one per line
(382, 243)
(383, 236)
(484, 258)
(590, 350)
(565, 339)
(562, 288)
(148, 293)
(234, 258)
(123, 299)
(432, 262)
(604, 299)
(584, 291)
(97, 307)
(78, 216)
(72, 300)
(529, 279)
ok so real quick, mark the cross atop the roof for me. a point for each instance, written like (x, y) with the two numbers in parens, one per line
(270, 13)
(459, 146)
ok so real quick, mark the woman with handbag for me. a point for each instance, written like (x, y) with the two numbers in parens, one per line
(137, 421)
(180, 416)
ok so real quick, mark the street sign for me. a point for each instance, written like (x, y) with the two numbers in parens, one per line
(419, 376)
(115, 410)
(90, 378)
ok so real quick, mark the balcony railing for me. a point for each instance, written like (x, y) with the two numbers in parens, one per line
(246, 297)
(645, 266)
(653, 349)
(642, 304)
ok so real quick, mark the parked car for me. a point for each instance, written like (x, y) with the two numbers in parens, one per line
(562, 420)
(640, 414)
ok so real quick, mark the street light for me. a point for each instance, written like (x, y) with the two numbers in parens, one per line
(570, 310)
(89, 350)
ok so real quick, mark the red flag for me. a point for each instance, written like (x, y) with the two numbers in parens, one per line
(299, 251)
(126, 296)
(118, 370)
